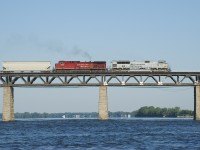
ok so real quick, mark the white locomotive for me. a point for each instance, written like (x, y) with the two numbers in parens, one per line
(126, 65)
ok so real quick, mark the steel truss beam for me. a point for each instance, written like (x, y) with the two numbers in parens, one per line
(98, 79)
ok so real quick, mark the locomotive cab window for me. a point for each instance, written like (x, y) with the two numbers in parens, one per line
(61, 62)
(114, 65)
(161, 61)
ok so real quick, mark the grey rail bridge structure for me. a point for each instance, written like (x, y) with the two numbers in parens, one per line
(8, 81)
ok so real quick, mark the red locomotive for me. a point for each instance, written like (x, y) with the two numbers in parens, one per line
(78, 65)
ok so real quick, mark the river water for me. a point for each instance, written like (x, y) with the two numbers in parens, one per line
(50, 134)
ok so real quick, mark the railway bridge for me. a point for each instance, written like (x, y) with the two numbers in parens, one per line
(9, 80)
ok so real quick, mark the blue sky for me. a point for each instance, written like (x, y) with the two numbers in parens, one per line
(101, 30)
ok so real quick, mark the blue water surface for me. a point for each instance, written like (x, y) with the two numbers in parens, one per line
(50, 134)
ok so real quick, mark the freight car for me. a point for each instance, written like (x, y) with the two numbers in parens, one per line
(63, 66)
(26, 66)
(131, 66)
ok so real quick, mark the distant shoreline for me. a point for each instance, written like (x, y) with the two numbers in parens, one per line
(143, 112)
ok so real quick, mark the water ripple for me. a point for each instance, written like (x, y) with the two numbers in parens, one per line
(95, 134)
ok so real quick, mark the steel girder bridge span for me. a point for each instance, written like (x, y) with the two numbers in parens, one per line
(10, 80)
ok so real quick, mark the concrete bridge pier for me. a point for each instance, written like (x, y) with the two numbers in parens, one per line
(197, 103)
(8, 104)
(103, 103)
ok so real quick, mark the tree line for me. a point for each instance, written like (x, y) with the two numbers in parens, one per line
(56, 115)
(162, 112)
(146, 111)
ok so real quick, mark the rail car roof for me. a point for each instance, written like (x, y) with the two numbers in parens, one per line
(82, 62)
(121, 60)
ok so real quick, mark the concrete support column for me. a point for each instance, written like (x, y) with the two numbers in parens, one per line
(103, 103)
(8, 104)
(197, 103)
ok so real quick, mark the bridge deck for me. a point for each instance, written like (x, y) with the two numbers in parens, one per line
(99, 78)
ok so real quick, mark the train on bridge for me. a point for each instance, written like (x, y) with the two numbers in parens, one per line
(79, 66)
